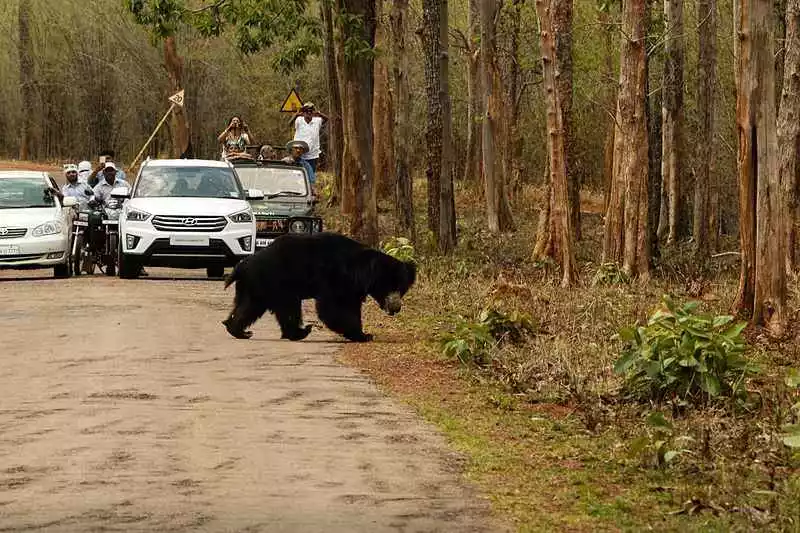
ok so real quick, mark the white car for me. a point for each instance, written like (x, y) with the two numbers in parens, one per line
(35, 226)
(185, 213)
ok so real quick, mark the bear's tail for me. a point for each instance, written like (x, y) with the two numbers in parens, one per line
(234, 275)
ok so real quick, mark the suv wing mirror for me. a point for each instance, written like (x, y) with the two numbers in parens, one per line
(120, 193)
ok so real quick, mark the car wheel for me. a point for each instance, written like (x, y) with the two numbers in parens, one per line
(215, 271)
(129, 267)
(62, 271)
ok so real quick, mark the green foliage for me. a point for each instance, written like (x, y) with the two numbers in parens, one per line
(471, 342)
(399, 248)
(681, 354)
(791, 436)
(357, 39)
(658, 445)
(610, 274)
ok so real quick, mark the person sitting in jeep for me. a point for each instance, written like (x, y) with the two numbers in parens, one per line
(296, 150)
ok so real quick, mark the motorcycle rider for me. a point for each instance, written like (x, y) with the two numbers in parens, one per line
(111, 180)
(73, 187)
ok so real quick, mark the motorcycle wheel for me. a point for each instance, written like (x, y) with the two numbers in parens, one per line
(111, 258)
(77, 254)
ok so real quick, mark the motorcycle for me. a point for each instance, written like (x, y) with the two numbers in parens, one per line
(96, 238)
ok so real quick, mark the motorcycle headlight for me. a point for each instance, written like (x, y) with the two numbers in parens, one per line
(298, 226)
(137, 216)
(242, 217)
(48, 228)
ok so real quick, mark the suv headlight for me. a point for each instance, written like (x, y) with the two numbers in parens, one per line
(298, 226)
(48, 228)
(241, 217)
(137, 216)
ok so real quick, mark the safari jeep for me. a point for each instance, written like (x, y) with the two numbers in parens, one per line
(288, 204)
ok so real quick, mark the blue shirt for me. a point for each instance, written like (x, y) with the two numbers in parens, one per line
(102, 191)
(78, 191)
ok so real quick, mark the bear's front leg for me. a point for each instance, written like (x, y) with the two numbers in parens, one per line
(342, 317)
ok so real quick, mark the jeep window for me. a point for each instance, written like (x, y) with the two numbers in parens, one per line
(20, 193)
(188, 182)
(273, 180)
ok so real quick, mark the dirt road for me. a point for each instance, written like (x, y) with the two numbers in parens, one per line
(124, 406)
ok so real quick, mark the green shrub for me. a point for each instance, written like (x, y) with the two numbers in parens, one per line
(472, 342)
(681, 354)
(610, 274)
(791, 437)
(399, 248)
(658, 446)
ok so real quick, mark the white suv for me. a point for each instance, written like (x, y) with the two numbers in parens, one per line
(185, 213)
(35, 226)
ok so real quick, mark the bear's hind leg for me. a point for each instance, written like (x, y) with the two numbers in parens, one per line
(290, 319)
(244, 314)
(343, 318)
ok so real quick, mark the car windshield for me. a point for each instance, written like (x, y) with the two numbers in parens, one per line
(20, 193)
(274, 180)
(188, 182)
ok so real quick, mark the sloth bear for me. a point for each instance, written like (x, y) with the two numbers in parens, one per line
(338, 272)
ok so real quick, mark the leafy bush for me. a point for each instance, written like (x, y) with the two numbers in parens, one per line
(472, 341)
(610, 274)
(685, 355)
(658, 444)
(399, 248)
(791, 437)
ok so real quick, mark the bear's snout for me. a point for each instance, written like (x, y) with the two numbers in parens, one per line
(393, 303)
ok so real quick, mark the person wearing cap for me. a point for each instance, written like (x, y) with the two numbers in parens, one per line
(84, 171)
(296, 151)
(104, 157)
(73, 187)
(102, 191)
(307, 125)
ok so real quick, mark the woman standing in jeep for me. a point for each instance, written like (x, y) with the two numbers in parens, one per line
(235, 138)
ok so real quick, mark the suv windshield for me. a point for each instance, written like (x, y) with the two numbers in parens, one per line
(274, 180)
(188, 182)
(20, 193)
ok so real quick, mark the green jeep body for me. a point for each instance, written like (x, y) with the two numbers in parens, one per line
(288, 204)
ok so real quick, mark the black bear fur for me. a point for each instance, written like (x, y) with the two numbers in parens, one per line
(336, 271)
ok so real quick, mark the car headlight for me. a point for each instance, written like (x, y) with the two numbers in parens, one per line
(242, 217)
(298, 226)
(137, 216)
(48, 228)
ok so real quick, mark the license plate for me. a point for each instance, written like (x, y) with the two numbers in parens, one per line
(261, 243)
(188, 240)
(270, 225)
(9, 250)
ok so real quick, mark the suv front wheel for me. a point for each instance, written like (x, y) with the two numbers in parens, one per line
(129, 267)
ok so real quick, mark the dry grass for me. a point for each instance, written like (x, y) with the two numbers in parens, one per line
(544, 426)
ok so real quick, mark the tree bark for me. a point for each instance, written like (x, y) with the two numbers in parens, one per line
(611, 103)
(447, 206)
(672, 129)
(349, 175)
(179, 121)
(404, 205)
(625, 239)
(26, 78)
(562, 26)
(332, 79)
(359, 85)
(498, 209)
(762, 189)
(510, 123)
(560, 203)
(472, 168)
(654, 122)
(706, 82)
(789, 124)
(382, 114)
(431, 16)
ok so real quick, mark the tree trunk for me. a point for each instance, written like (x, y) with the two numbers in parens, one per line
(560, 204)
(654, 121)
(335, 134)
(402, 125)
(349, 175)
(789, 124)
(447, 206)
(498, 209)
(431, 10)
(672, 129)
(562, 26)
(762, 194)
(510, 129)
(706, 82)
(26, 81)
(179, 121)
(472, 169)
(382, 114)
(625, 236)
(359, 85)
(611, 103)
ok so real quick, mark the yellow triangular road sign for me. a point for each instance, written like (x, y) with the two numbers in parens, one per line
(292, 104)
(177, 98)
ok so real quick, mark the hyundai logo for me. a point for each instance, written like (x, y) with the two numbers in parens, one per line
(3, 231)
(189, 221)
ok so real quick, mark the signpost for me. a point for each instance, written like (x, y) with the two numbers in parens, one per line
(176, 100)
(292, 104)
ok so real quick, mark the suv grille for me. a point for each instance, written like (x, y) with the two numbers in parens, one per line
(189, 223)
(12, 233)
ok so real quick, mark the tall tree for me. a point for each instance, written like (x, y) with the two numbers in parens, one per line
(654, 122)
(332, 80)
(512, 142)
(610, 99)
(382, 110)
(447, 206)
(26, 78)
(706, 82)
(404, 206)
(472, 168)
(498, 208)
(625, 238)
(179, 121)
(672, 128)
(762, 279)
(789, 125)
(560, 198)
(562, 26)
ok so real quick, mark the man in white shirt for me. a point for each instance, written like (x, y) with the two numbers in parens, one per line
(102, 191)
(307, 125)
(74, 188)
